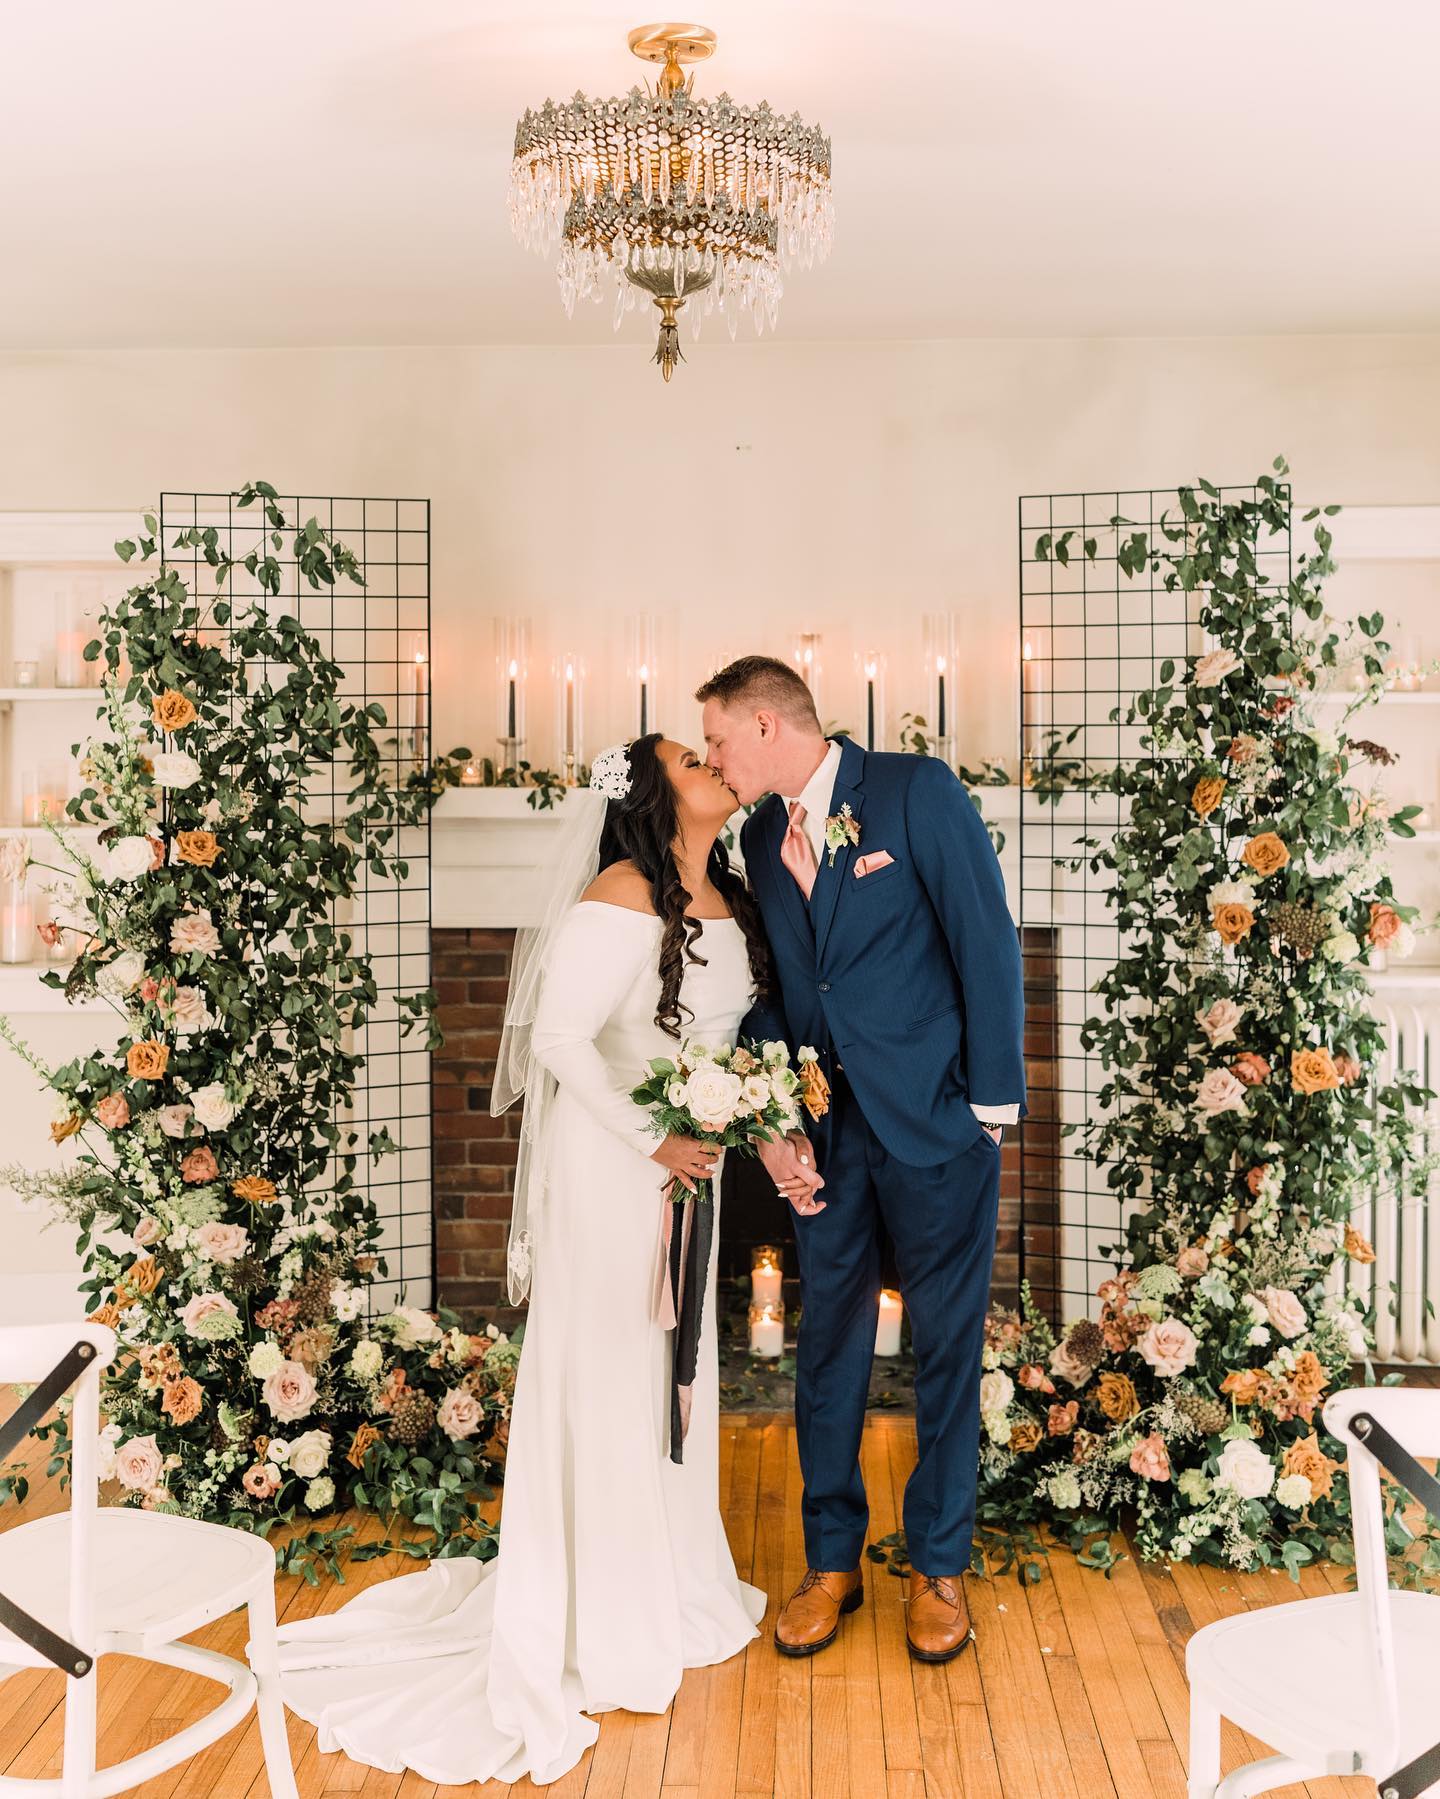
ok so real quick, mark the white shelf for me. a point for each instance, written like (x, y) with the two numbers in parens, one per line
(93, 694)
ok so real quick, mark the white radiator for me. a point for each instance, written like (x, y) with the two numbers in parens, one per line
(1404, 1223)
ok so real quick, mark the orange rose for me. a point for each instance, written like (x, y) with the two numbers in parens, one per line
(1265, 854)
(1308, 1378)
(107, 1315)
(1306, 1457)
(147, 1061)
(1025, 1436)
(1242, 749)
(1061, 1419)
(200, 1165)
(1385, 924)
(1250, 1069)
(1207, 794)
(172, 710)
(141, 1277)
(1246, 1384)
(66, 1127)
(1356, 1247)
(1313, 1071)
(254, 1189)
(200, 849)
(182, 1399)
(1232, 921)
(1115, 1395)
(365, 1436)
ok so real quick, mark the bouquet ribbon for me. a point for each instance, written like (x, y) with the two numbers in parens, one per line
(682, 1274)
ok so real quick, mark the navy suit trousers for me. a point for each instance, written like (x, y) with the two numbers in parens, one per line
(942, 1222)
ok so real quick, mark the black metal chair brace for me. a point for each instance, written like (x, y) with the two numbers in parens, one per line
(66, 1657)
(1419, 1775)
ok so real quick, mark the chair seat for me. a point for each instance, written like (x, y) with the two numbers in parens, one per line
(1302, 1676)
(156, 1577)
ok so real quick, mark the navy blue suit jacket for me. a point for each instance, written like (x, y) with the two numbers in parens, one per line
(910, 975)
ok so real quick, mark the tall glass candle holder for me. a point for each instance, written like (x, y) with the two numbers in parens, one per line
(569, 677)
(44, 789)
(18, 942)
(942, 637)
(871, 729)
(413, 712)
(640, 671)
(805, 654)
(512, 672)
(767, 1331)
(71, 669)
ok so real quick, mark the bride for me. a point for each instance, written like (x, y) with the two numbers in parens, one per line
(614, 1574)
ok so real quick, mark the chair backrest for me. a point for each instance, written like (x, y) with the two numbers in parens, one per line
(28, 1352)
(1412, 1416)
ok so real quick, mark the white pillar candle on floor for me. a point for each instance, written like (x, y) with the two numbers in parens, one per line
(767, 1330)
(887, 1326)
(767, 1274)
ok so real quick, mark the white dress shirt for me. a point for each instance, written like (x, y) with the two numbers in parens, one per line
(816, 797)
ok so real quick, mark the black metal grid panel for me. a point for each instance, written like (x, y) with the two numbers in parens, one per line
(375, 633)
(1097, 637)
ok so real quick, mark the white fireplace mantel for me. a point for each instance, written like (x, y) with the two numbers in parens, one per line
(490, 845)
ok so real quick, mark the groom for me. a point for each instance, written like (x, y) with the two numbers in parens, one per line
(896, 958)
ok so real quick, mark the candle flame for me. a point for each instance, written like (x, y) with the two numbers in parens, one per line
(514, 668)
(940, 665)
(1028, 652)
(870, 669)
(569, 672)
(644, 671)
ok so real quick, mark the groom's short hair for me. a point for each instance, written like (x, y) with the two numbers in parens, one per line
(756, 681)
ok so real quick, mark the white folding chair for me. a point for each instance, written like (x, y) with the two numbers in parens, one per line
(111, 1580)
(1348, 1684)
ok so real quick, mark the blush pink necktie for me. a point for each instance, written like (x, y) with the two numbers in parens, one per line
(796, 853)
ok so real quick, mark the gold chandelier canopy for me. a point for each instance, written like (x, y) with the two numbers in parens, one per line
(687, 202)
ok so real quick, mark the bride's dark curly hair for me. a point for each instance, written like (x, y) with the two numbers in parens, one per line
(641, 828)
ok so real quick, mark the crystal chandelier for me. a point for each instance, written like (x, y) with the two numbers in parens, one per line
(697, 203)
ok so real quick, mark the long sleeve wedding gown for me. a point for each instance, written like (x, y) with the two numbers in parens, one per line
(614, 1574)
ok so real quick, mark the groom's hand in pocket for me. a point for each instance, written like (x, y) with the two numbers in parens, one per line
(790, 1163)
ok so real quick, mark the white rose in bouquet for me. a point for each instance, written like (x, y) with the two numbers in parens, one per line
(712, 1093)
(996, 1391)
(212, 1108)
(126, 859)
(410, 1326)
(119, 976)
(174, 768)
(1245, 1467)
(309, 1453)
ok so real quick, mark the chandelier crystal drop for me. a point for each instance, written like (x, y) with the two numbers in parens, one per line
(698, 204)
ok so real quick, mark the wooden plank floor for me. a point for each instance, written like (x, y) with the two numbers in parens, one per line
(1076, 1688)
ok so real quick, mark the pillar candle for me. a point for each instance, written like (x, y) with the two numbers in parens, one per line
(766, 1275)
(17, 929)
(887, 1326)
(767, 1331)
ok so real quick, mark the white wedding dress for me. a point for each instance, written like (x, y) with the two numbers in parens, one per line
(614, 1574)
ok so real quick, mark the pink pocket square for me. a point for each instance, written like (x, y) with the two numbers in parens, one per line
(866, 865)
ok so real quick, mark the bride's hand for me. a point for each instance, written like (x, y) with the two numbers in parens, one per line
(687, 1158)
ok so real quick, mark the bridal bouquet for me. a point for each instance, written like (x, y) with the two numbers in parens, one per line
(733, 1098)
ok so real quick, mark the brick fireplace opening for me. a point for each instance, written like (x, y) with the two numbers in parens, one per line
(474, 1154)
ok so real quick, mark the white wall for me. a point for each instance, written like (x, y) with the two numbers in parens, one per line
(771, 487)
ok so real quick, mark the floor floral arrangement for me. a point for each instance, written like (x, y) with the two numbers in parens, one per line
(212, 1181)
(1243, 1116)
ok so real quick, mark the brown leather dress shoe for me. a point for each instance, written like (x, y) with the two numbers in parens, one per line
(811, 1619)
(937, 1626)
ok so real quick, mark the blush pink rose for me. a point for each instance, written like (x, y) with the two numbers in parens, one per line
(193, 931)
(1169, 1346)
(200, 1165)
(149, 1230)
(202, 1306)
(1219, 1092)
(1150, 1459)
(223, 1242)
(1220, 1021)
(138, 1464)
(459, 1414)
(113, 1111)
(1285, 1311)
(174, 1120)
(289, 1392)
(1192, 1261)
(1062, 1418)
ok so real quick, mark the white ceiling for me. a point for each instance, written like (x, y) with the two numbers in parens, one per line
(299, 172)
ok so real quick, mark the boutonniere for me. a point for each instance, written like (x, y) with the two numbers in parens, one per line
(841, 827)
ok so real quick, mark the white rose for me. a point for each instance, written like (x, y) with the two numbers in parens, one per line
(265, 1358)
(173, 768)
(996, 1391)
(309, 1454)
(756, 1092)
(1246, 1468)
(411, 1326)
(212, 1108)
(126, 859)
(1258, 1336)
(713, 1095)
(1294, 1491)
(117, 977)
